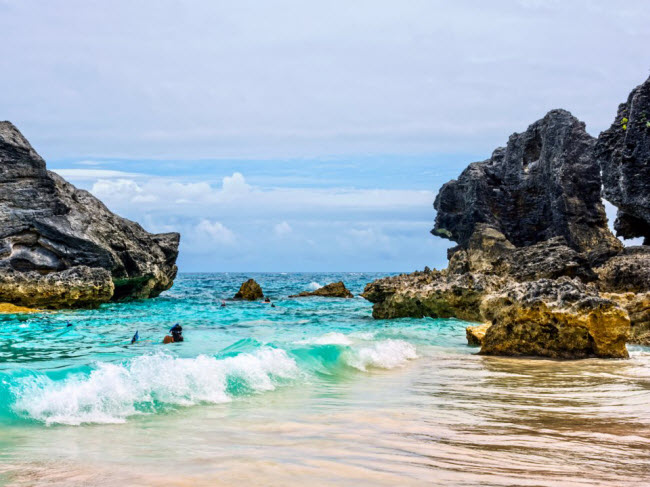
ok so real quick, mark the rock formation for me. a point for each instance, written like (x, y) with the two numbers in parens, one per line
(61, 247)
(333, 290)
(623, 152)
(543, 184)
(535, 260)
(250, 291)
(476, 334)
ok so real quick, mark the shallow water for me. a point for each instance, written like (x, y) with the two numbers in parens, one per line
(313, 391)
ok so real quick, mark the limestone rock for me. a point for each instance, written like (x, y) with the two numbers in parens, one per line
(545, 183)
(554, 318)
(47, 227)
(623, 152)
(77, 287)
(250, 291)
(437, 294)
(475, 334)
(10, 309)
(333, 290)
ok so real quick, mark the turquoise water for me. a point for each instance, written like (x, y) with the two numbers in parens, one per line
(89, 372)
(313, 391)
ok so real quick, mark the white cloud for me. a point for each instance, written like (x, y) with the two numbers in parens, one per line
(235, 184)
(91, 174)
(216, 232)
(282, 229)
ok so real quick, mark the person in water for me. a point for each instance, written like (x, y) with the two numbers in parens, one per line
(267, 300)
(223, 304)
(176, 334)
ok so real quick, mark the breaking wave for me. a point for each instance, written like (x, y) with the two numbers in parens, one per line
(111, 393)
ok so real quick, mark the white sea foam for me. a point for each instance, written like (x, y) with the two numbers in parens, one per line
(384, 354)
(113, 392)
(333, 338)
(314, 285)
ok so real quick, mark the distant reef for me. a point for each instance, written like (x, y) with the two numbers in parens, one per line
(60, 247)
(535, 260)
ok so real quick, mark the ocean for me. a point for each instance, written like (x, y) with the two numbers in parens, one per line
(313, 391)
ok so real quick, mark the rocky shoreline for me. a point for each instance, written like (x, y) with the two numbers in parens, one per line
(60, 247)
(535, 260)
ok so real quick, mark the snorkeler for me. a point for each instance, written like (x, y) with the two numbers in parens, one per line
(177, 332)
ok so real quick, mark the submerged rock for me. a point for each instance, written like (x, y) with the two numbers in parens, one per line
(54, 236)
(250, 291)
(623, 152)
(333, 290)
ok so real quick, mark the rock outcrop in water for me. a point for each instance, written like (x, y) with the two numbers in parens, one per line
(623, 152)
(332, 290)
(535, 260)
(250, 291)
(61, 247)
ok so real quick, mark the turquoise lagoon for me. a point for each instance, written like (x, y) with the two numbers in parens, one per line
(312, 391)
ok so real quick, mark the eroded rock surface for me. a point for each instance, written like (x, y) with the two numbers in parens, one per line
(332, 290)
(545, 183)
(51, 231)
(250, 291)
(623, 152)
(558, 318)
(535, 260)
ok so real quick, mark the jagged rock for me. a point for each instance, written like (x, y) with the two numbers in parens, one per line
(475, 334)
(333, 290)
(623, 152)
(47, 227)
(489, 252)
(625, 279)
(250, 291)
(534, 254)
(627, 272)
(78, 287)
(545, 183)
(437, 294)
(554, 318)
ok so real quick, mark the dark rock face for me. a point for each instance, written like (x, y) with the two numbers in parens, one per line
(535, 261)
(333, 290)
(545, 183)
(623, 152)
(250, 291)
(47, 227)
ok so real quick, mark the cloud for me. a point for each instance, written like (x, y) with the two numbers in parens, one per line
(91, 174)
(282, 229)
(310, 78)
(216, 232)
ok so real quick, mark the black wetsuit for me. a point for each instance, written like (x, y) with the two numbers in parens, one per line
(177, 333)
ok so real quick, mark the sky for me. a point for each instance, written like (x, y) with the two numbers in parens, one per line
(300, 135)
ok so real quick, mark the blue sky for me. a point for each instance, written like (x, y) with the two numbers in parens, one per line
(293, 135)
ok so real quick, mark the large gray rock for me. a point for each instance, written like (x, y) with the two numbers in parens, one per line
(545, 183)
(47, 227)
